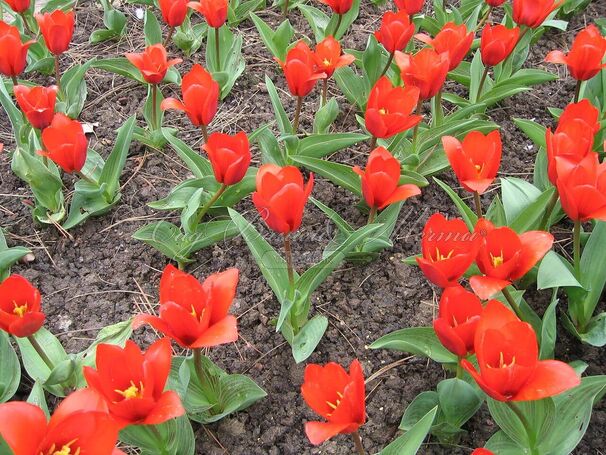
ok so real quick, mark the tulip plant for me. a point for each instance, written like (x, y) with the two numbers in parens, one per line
(422, 92)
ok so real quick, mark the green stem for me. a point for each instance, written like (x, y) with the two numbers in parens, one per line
(576, 235)
(484, 18)
(86, 178)
(181, 265)
(577, 91)
(478, 204)
(289, 265)
(389, 60)
(169, 36)
(358, 443)
(526, 424)
(324, 91)
(544, 225)
(459, 369)
(482, 81)
(415, 132)
(372, 215)
(217, 49)
(512, 303)
(295, 123)
(26, 25)
(204, 129)
(154, 91)
(206, 207)
(161, 441)
(285, 11)
(15, 81)
(57, 73)
(41, 352)
(439, 111)
(339, 19)
(373, 143)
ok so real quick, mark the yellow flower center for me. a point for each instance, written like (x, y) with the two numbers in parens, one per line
(195, 314)
(326, 62)
(441, 257)
(383, 111)
(479, 167)
(132, 392)
(502, 363)
(497, 260)
(65, 450)
(20, 310)
(334, 406)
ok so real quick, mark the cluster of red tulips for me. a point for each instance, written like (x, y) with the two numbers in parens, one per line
(498, 348)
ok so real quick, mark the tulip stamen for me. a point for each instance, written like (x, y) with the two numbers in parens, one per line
(65, 449)
(334, 406)
(20, 310)
(131, 392)
(326, 62)
(441, 257)
(479, 168)
(383, 111)
(195, 314)
(502, 363)
(497, 260)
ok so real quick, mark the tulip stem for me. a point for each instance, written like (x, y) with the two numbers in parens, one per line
(86, 178)
(217, 49)
(57, 73)
(484, 18)
(358, 443)
(389, 60)
(576, 235)
(295, 123)
(158, 436)
(32, 340)
(169, 36)
(577, 91)
(373, 143)
(15, 81)
(324, 91)
(206, 207)
(285, 11)
(527, 427)
(548, 211)
(154, 93)
(482, 81)
(415, 133)
(26, 25)
(204, 132)
(478, 203)
(372, 215)
(339, 19)
(512, 303)
(438, 114)
(289, 266)
(459, 369)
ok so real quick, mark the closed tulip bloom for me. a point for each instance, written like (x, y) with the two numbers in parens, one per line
(65, 143)
(13, 53)
(533, 13)
(300, 69)
(328, 56)
(20, 312)
(497, 43)
(134, 392)
(505, 256)
(37, 103)
(426, 70)
(389, 108)
(572, 141)
(200, 94)
(584, 60)
(583, 111)
(476, 160)
(448, 250)
(453, 40)
(380, 180)
(338, 6)
(508, 357)
(395, 31)
(57, 28)
(79, 425)
(152, 63)
(18, 6)
(494, 3)
(458, 317)
(214, 11)
(337, 396)
(195, 314)
(229, 156)
(281, 196)
(582, 188)
(173, 11)
(410, 6)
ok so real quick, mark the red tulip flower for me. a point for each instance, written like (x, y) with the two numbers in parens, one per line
(497, 43)
(132, 383)
(37, 103)
(20, 313)
(505, 256)
(410, 6)
(281, 196)
(338, 6)
(337, 396)
(380, 180)
(426, 70)
(389, 108)
(57, 28)
(459, 314)
(453, 40)
(173, 11)
(494, 3)
(582, 188)
(508, 357)
(195, 314)
(13, 53)
(65, 143)
(395, 31)
(229, 156)
(583, 111)
(214, 11)
(533, 13)
(152, 63)
(200, 94)
(481, 450)
(584, 60)
(448, 250)
(19, 6)
(475, 161)
(328, 56)
(79, 425)
(300, 69)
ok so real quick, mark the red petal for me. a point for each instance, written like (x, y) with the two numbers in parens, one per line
(485, 286)
(23, 426)
(551, 377)
(167, 407)
(224, 331)
(318, 432)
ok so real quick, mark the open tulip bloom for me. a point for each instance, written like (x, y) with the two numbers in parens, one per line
(329, 57)
(20, 313)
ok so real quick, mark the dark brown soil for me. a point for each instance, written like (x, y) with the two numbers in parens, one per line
(102, 275)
